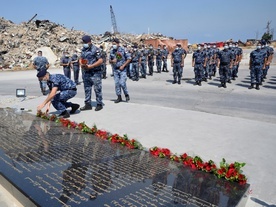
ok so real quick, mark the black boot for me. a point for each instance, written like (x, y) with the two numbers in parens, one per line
(257, 87)
(174, 82)
(86, 107)
(74, 108)
(251, 86)
(127, 98)
(98, 107)
(64, 114)
(119, 99)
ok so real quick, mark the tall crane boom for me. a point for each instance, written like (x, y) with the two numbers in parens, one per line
(113, 20)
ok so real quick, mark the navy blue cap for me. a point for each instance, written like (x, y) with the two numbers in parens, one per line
(41, 73)
(86, 38)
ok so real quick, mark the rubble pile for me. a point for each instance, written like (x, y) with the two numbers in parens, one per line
(19, 43)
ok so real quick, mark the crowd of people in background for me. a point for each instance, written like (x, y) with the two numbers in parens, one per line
(137, 61)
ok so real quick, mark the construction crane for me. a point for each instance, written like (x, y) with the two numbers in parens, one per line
(113, 20)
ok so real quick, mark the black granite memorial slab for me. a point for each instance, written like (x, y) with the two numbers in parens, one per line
(52, 165)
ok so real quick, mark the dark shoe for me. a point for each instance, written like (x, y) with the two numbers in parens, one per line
(127, 98)
(196, 83)
(119, 99)
(174, 82)
(64, 114)
(264, 77)
(257, 87)
(74, 108)
(179, 82)
(261, 84)
(233, 78)
(224, 85)
(210, 78)
(251, 86)
(229, 81)
(98, 107)
(199, 83)
(86, 107)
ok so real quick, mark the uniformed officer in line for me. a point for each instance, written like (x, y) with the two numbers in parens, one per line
(120, 58)
(136, 61)
(91, 61)
(65, 62)
(67, 90)
(198, 62)
(269, 59)
(210, 61)
(158, 58)
(165, 52)
(104, 56)
(234, 63)
(177, 62)
(225, 61)
(257, 64)
(269, 54)
(205, 69)
(41, 63)
(76, 66)
(150, 59)
(216, 51)
(239, 58)
(143, 68)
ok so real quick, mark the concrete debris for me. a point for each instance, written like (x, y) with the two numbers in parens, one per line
(19, 43)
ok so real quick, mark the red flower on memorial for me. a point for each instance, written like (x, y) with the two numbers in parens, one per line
(231, 172)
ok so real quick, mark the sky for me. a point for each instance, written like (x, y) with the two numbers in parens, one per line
(196, 20)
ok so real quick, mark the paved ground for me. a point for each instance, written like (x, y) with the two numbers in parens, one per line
(234, 123)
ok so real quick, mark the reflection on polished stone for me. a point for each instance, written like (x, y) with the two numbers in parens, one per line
(56, 166)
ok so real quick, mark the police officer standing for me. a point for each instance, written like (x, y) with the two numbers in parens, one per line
(120, 58)
(104, 56)
(257, 63)
(165, 53)
(67, 90)
(177, 62)
(158, 57)
(41, 63)
(150, 59)
(76, 66)
(143, 68)
(234, 62)
(198, 62)
(91, 61)
(65, 62)
(135, 60)
(225, 59)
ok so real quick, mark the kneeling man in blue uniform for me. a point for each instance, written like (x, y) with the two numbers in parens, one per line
(63, 89)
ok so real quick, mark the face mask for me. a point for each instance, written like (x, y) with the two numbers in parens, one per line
(150, 47)
(177, 48)
(214, 46)
(262, 46)
(165, 48)
(114, 47)
(230, 45)
(134, 49)
(85, 45)
(258, 47)
(199, 48)
(225, 47)
(208, 46)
